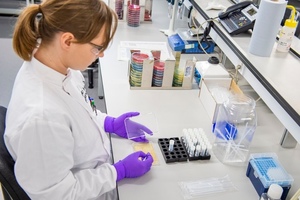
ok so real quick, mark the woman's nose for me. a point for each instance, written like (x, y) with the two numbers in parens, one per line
(101, 54)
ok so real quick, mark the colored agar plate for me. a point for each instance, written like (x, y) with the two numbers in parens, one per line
(138, 57)
(158, 73)
(146, 147)
(178, 153)
(119, 8)
(133, 15)
(136, 68)
(178, 77)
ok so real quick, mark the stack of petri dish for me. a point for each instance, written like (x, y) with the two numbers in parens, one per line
(119, 8)
(158, 73)
(178, 77)
(133, 15)
(148, 10)
(136, 68)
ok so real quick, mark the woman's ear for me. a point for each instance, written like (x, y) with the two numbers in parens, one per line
(66, 39)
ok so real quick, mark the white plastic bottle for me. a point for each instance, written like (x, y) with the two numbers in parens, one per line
(287, 32)
(274, 193)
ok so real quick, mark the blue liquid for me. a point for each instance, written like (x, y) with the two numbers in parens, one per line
(228, 130)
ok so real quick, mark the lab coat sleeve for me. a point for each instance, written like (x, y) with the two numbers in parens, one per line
(101, 118)
(44, 165)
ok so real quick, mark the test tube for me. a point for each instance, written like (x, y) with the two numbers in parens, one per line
(191, 132)
(199, 140)
(203, 150)
(187, 142)
(171, 145)
(197, 151)
(208, 149)
(195, 130)
(192, 151)
(186, 136)
(195, 141)
(197, 133)
(191, 144)
(201, 131)
(184, 131)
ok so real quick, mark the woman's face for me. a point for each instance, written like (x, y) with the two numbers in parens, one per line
(82, 55)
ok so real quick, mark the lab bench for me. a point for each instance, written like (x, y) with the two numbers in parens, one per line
(179, 109)
(269, 76)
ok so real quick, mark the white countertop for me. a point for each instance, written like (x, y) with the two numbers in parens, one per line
(175, 110)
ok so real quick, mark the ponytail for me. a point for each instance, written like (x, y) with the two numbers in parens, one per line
(26, 32)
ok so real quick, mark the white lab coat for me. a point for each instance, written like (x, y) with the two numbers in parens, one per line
(58, 142)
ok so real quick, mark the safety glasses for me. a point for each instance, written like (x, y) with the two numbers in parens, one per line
(97, 49)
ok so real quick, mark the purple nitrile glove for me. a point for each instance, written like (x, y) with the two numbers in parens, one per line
(117, 126)
(134, 165)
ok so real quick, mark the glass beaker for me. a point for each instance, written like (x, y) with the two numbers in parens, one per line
(234, 129)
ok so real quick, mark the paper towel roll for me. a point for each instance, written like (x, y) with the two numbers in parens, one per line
(266, 27)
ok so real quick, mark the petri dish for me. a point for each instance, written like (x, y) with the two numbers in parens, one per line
(149, 120)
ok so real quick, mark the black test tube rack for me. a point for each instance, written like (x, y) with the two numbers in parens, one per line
(179, 153)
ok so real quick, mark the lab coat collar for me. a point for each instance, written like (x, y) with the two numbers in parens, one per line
(46, 73)
(77, 91)
(64, 81)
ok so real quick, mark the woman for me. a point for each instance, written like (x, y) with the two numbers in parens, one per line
(54, 133)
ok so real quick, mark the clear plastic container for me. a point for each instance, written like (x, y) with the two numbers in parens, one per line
(234, 129)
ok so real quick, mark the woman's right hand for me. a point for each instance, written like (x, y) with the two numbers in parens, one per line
(134, 165)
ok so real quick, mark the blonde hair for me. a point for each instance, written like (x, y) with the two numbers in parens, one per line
(83, 18)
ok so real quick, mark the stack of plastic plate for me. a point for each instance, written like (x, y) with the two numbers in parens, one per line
(158, 73)
(133, 15)
(136, 68)
(119, 8)
(178, 77)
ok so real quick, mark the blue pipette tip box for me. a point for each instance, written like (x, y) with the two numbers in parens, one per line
(264, 169)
